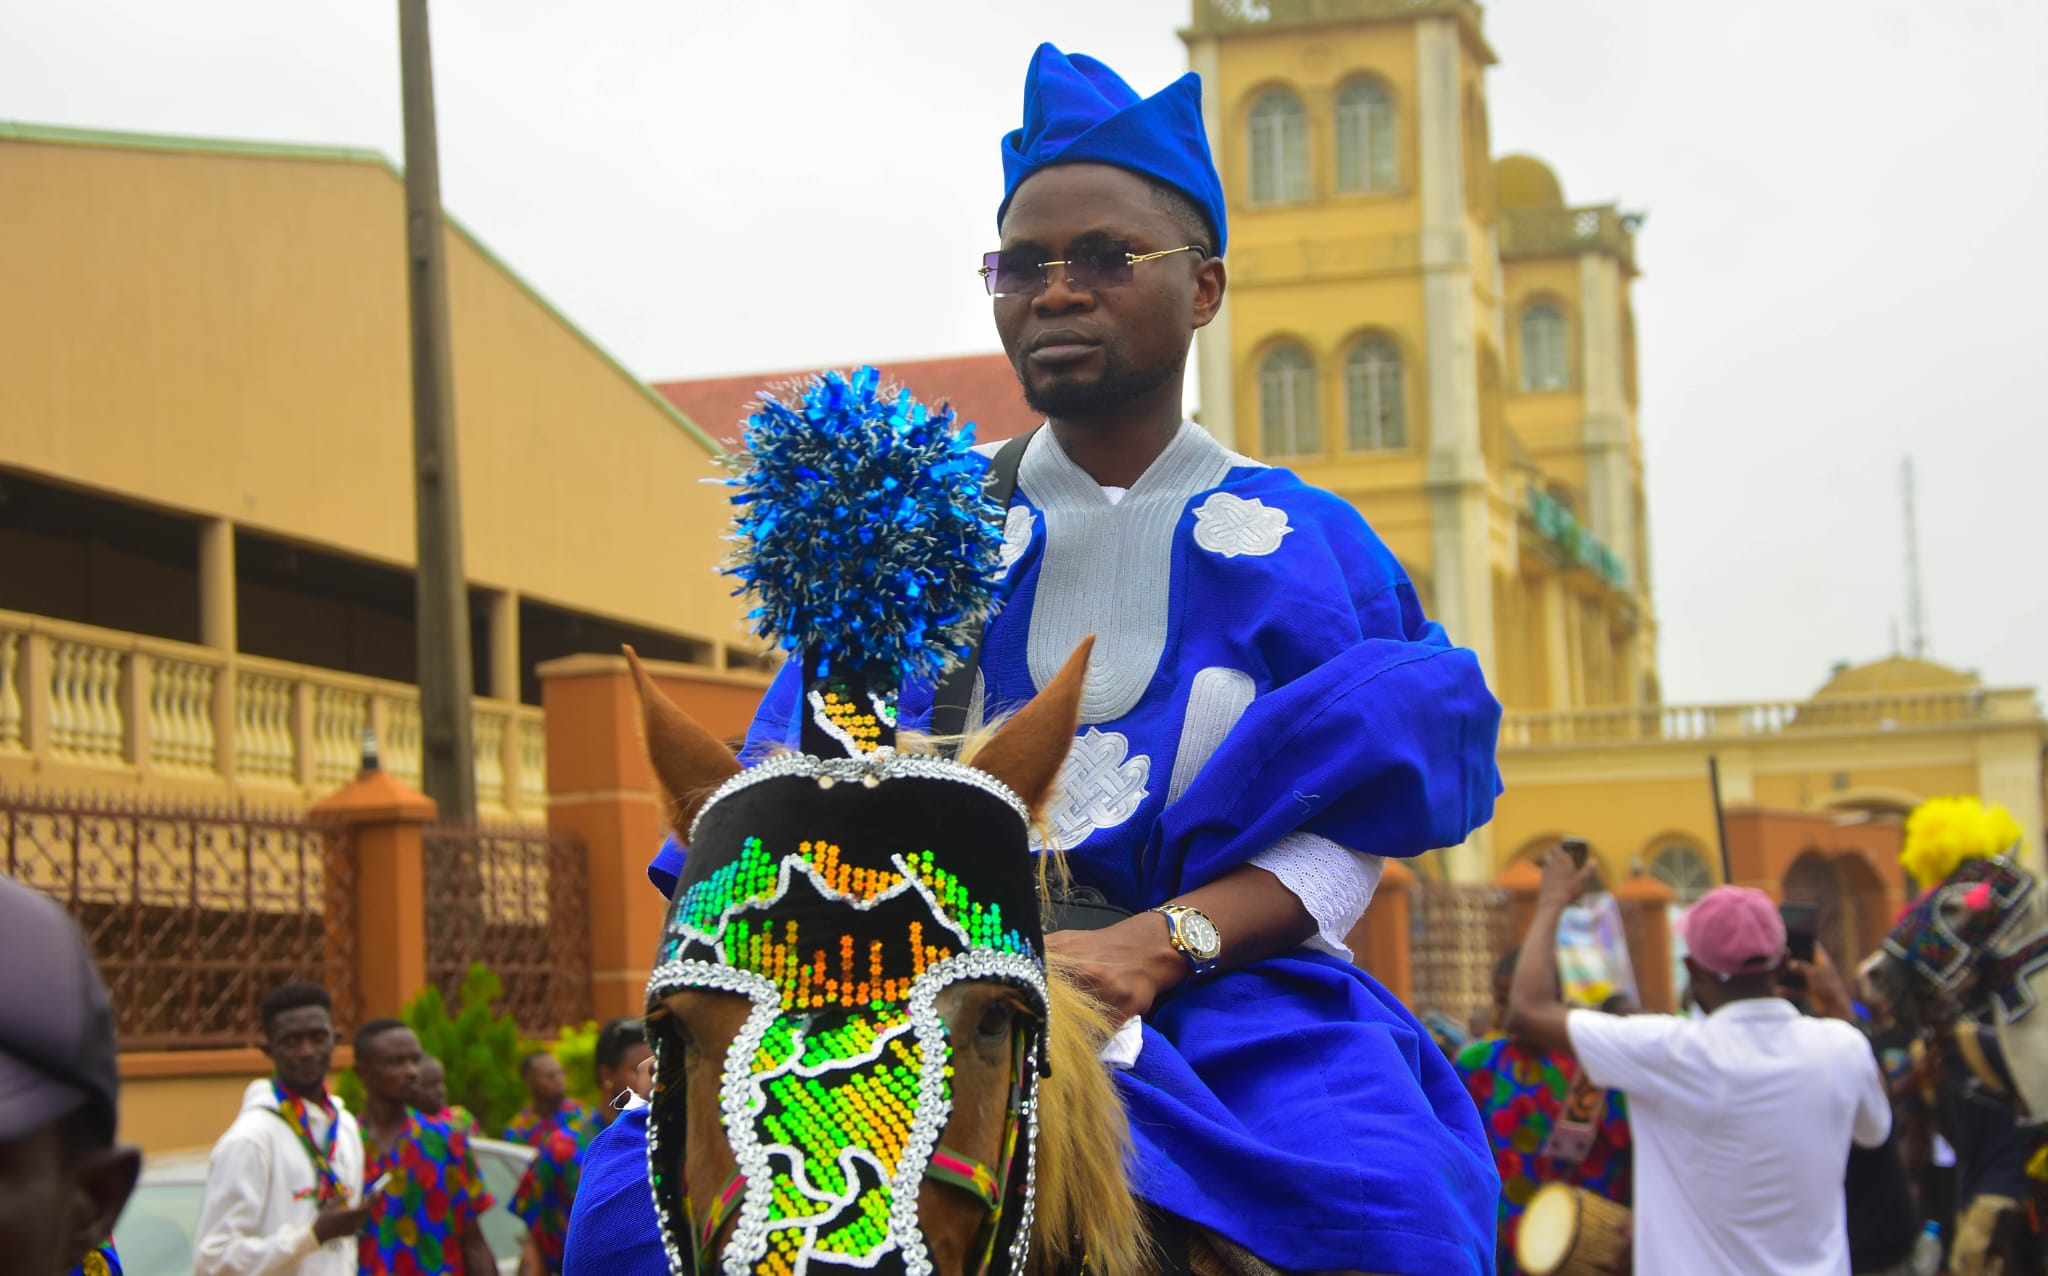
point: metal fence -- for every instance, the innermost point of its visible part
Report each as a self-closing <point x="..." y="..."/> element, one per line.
<point x="193" y="912"/>
<point x="1457" y="933"/>
<point x="515" y="899"/>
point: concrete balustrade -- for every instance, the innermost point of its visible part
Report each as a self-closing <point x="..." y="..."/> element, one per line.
<point x="91" y="708"/>
<point x="1683" y="723"/>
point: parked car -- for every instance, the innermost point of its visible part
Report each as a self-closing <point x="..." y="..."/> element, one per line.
<point x="157" y="1230"/>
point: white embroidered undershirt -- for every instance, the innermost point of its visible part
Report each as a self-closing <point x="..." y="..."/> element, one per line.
<point x="1332" y="882"/>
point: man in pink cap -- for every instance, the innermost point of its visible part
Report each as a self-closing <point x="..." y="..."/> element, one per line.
<point x="1743" y="1119"/>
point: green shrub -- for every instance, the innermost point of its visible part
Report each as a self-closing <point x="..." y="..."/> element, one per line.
<point x="480" y="1049"/>
<point x="575" y="1048"/>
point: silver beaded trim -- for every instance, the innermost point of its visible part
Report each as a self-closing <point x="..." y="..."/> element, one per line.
<point x="741" y="1097"/>
<point x="869" y="769"/>
<point x="750" y="1231"/>
<point x="933" y="1115"/>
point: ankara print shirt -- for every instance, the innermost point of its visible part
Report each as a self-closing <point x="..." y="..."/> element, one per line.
<point x="534" y="1129"/>
<point x="434" y="1191"/>
<point x="546" y="1192"/>
<point x="455" y="1117"/>
<point x="1520" y="1093"/>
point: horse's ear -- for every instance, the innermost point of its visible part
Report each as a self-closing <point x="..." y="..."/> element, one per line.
<point x="1027" y="752"/>
<point x="688" y="760"/>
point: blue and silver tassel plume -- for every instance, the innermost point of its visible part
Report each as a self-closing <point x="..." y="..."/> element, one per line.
<point x="865" y="541"/>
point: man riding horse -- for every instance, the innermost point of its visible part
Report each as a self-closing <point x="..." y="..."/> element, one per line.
<point x="1963" y="971"/>
<point x="1267" y="713"/>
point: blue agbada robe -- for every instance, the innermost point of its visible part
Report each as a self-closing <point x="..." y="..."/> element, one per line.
<point x="612" y="1229"/>
<point x="1293" y="1105"/>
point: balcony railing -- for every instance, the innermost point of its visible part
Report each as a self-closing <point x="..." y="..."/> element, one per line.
<point x="1548" y="232"/>
<point x="1909" y="711"/>
<point x="76" y="699"/>
<point x="1217" y="17"/>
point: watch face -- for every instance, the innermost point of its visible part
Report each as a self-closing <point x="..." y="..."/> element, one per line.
<point x="1200" y="934"/>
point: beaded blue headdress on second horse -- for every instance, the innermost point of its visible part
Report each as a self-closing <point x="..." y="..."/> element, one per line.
<point x="843" y="887"/>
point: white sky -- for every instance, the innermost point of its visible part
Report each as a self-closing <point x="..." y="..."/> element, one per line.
<point x="1844" y="260"/>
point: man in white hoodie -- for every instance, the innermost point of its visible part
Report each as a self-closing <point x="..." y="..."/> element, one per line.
<point x="284" y="1188"/>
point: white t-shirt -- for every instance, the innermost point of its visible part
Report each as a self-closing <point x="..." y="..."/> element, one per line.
<point x="1742" y="1123"/>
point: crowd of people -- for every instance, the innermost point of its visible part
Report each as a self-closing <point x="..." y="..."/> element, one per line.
<point x="300" y="1184"/>
<point x="1782" y="1123"/>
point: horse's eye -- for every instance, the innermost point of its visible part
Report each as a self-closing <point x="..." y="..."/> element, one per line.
<point x="681" y="1039"/>
<point x="996" y="1021"/>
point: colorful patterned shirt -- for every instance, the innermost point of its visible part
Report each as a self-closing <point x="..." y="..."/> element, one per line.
<point x="434" y="1191"/>
<point x="456" y="1117"/>
<point x="547" y="1191"/>
<point x="533" y="1128"/>
<point x="1520" y="1094"/>
<point x="103" y="1261"/>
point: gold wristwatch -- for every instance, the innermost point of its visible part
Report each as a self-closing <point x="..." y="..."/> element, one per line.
<point x="1194" y="935"/>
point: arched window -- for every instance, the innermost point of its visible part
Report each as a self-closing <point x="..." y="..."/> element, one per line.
<point x="1279" y="137"/>
<point x="1288" y="422"/>
<point x="1546" y="354"/>
<point x="1684" y="870"/>
<point x="1374" y="417"/>
<point x="1365" y="137"/>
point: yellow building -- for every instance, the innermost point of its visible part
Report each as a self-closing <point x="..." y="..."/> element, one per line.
<point x="1444" y="340"/>
<point x="206" y="496"/>
<point x="206" y="524"/>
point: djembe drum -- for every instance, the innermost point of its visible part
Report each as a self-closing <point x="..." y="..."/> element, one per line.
<point x="1568" y="1231"/>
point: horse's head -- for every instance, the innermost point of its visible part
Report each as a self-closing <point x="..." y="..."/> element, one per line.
<point x="1946" y="957"/>
<point x="850" y="1004"/>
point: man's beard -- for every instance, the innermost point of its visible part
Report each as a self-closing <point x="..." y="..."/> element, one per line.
<point x="1118" y="386"/>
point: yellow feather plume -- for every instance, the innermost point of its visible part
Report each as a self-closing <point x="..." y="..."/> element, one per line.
<point x="1943" y="832"/>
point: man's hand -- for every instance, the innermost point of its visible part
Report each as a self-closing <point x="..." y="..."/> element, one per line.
<point x="1563" y="881"/>
<point x="1127" y="967"/>
<point x="341" y="1220"/>
<point x="1824" y="988"/>
<point x="1537" y="1016"/>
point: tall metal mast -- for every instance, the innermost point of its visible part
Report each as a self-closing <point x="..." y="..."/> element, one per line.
<point x="1916" y="631"/>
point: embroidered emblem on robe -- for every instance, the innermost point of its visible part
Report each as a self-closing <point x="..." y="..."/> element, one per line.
<point x="1233" y="526"/>
<point x="1100" y="787"/>
<point x="1017" y="527"/>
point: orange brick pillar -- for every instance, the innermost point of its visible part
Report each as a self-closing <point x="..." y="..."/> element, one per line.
<point x="382" y="822"/>
<point x="1646" y="917"/>
<point x="1379" y="943"/>
<point x="601" y="789"/>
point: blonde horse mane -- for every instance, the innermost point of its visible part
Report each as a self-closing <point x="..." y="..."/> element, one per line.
<point x="1086" y="1214"/>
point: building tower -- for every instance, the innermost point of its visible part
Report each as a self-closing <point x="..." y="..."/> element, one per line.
<point x="1456" y="359"/>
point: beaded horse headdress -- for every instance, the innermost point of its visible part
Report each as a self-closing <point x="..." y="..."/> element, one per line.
<point x="1961" y="851"/>
<point x="844" y="887"/>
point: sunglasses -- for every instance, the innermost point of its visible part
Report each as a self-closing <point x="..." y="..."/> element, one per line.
<point x="1014" y="273"/>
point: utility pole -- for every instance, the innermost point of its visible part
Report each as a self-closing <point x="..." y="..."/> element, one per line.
<point x="447" y="763"/>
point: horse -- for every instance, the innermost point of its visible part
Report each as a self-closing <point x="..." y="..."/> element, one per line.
<point x="1078" y="1210"/>
<point x="1966" y="966"/>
